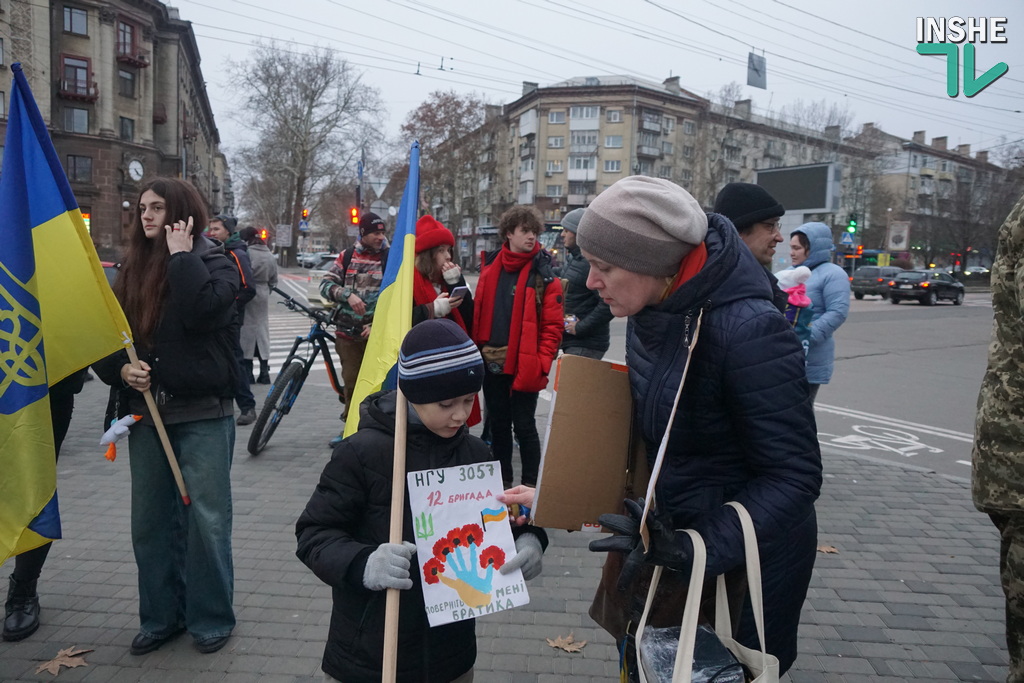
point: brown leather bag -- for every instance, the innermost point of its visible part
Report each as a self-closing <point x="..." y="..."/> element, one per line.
<point x="494" y="358"/>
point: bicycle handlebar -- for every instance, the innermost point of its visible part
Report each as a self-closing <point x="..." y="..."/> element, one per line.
<point x="293" y="304"/>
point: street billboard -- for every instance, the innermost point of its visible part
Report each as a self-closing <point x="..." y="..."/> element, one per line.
<point x="813" y="188"/>
<point x="899" y="236"/>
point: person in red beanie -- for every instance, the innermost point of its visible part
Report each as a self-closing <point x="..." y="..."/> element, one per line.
<point x="436" y="276"/>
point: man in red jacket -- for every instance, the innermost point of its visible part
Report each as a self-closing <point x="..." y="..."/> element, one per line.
<point x="518" y="325"/>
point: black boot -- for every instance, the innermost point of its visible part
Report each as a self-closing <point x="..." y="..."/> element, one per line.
<point x="264" y="377"/>
<point x="22" y="610"/>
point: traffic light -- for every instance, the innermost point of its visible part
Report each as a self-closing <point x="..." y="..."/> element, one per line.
<point x="354" y="215"/>
<point x="851" y="226"/>
<point x="860" y="250"/>
<point x="305" y="214"/>
<point x="263" y="234"/>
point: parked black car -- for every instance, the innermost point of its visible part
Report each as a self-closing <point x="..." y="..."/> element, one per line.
<point x="927" y="286"/>
<point x="873" y="280"/>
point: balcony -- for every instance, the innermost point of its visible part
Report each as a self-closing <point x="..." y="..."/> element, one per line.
<point x="527" y="149"/>
<point x="585" y="150"/>
<point x="132" y="56"/>
<point x="83" y="91"/>
<point x="653" y="126"/>
<point x="581" y="174"/>
<point x="648" y="151"/>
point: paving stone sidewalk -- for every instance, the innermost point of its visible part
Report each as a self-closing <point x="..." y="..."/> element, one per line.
<point x="912" y="592"/>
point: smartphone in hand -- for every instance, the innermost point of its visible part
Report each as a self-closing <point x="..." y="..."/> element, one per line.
<point x="459" y="292"/>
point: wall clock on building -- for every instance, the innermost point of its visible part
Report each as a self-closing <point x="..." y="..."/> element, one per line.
<point x="135" y="170"/>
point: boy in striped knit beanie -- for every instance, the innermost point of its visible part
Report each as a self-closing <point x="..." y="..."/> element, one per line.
<point x="344" y="531"/>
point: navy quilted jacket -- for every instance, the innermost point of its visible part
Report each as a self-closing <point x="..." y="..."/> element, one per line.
<point x="745" y="428"/>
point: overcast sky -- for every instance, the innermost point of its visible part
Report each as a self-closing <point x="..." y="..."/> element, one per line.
<point x="859" y="52"/>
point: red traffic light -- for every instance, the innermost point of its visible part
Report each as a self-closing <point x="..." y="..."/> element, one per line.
<point x="305" y="214"/>
<point x="860" y="249"/>
<point x="354" y="215"/>
<point x="263" y="234"/>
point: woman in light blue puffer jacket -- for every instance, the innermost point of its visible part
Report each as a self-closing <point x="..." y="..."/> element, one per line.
<point x="829" y="290"/>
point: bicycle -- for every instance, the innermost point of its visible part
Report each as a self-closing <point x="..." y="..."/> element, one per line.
<point x="294" y="371"/>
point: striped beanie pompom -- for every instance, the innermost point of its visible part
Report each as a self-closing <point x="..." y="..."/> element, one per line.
<point x="438" y="362"/>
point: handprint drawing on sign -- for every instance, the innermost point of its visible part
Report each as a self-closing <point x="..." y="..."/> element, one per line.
<point x="459" y="564"/>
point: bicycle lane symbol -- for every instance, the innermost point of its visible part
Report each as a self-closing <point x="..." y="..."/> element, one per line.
<point x="866" y="438"/>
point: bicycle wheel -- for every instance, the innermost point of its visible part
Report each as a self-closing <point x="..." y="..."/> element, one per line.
<point x="278" y="404"/>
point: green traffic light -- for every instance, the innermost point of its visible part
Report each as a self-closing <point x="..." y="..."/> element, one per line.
<point x="851" y="228"/>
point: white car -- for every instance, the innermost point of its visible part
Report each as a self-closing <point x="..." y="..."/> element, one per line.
<point x="320" y="268"/>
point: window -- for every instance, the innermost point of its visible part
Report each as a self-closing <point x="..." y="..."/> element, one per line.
<point x="612" y="166"/>
<point x="76" y="120"/>
<point x="3" y="105"/>
<point x="126" y="83"/>
<point x="582" y="187"/>
<point x="688" y="151"/>
<point x="613" y="116"/>
<point x="613" y="141"/>
<point x="667" y="147"/>
<point x="556" y="117"/>
<point x="584" y="137"/>
<point x="76" y="75"/>
<point x="689" y="128"/>
<point x="579" y="163"/>
<point x="732" y="176"/>
<point x="556" y="141"/>
<point x="670" y="124"/>
<point x="125" y="38"/>
<point x="644" y="168"/>
<point x="127" y="129"/>
<point x="2" y="51"/>
<point x="583" y="112"/>
<point x="554" y="191"/>
<point x="686" y="176"/>
<point x="913" y="161"/>
<point x="79" y="168"/>
<point x="944" y="166"/>
<point x="665" y="171"/>
<point x="76" y="21"/>
<point x="554" y="166"/>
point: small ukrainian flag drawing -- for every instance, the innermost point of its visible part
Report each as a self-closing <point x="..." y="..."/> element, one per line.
<point x="493" y="514"/>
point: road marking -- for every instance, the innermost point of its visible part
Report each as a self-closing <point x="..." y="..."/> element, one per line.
<point x="868" y="438"/>
<point x="893" y="422"/>
<point x="964" y="462"/>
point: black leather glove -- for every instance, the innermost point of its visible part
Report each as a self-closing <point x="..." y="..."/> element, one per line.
<point x="667" y="548"/>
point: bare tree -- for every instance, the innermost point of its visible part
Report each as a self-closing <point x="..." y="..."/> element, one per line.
<point x="453" y="143"/>
<point x="312" y="116"/>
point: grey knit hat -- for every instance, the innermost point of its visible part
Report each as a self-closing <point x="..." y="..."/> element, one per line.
<point x="645" y="225"/>
<point x="571" y="220"/>
<point x="437" y="362"/>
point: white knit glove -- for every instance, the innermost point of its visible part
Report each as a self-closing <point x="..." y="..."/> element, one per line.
<point x="388" y="567"/>
<point x="442" y="306"/>
<point x="528" y="557"/>
<point x="452" y="275"/>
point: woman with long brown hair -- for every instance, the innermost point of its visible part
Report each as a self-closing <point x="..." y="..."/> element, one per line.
<point x="178" y="291"/>
<point x="437" y="276"/>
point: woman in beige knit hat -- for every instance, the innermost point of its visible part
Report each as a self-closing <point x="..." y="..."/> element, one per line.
<point x="744" y="428"/>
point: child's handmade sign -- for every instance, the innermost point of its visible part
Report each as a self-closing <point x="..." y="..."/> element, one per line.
<point x="463" y="538"/>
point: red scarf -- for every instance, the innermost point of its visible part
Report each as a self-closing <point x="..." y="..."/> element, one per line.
<point x="511" y="262"/>
<point x="423" y="294"/>
<point x="691" y="265"/>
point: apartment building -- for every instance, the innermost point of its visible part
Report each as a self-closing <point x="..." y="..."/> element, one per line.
<point x="119" y="85"/>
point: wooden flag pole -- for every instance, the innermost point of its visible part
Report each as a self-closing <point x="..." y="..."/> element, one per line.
<point x="390" y="664"/>
<point x="159" y="423"/>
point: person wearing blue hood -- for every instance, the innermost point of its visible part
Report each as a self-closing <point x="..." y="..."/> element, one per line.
<point x="829" y="291"/>
<point x="744" y="428"/>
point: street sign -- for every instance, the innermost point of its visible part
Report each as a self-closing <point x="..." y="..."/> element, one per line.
<point x="303" y="226"/>
<point x="846" y="239"/>
<point x="284" y="235"/>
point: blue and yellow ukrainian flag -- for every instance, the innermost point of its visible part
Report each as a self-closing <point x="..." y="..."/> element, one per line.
<point x="57" y="315"/>
<point x="392" y="319"/>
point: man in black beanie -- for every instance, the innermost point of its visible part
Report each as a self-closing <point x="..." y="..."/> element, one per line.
<point x="756" y="214"/>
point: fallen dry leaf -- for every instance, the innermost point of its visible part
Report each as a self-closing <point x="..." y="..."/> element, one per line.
<point x="568" y="644"/>
<point x="69" y="658"/>
<point x="827" y="549"/>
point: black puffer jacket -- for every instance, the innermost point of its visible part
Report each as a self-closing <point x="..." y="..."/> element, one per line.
<point x="744" y="429"/>
<point x="593" y="315"/>
<point x="191" y="354"/>
<point x="346" y="519"/>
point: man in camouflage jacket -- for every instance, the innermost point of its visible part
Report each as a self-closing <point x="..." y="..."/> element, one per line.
<point x="998" y="459"/>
